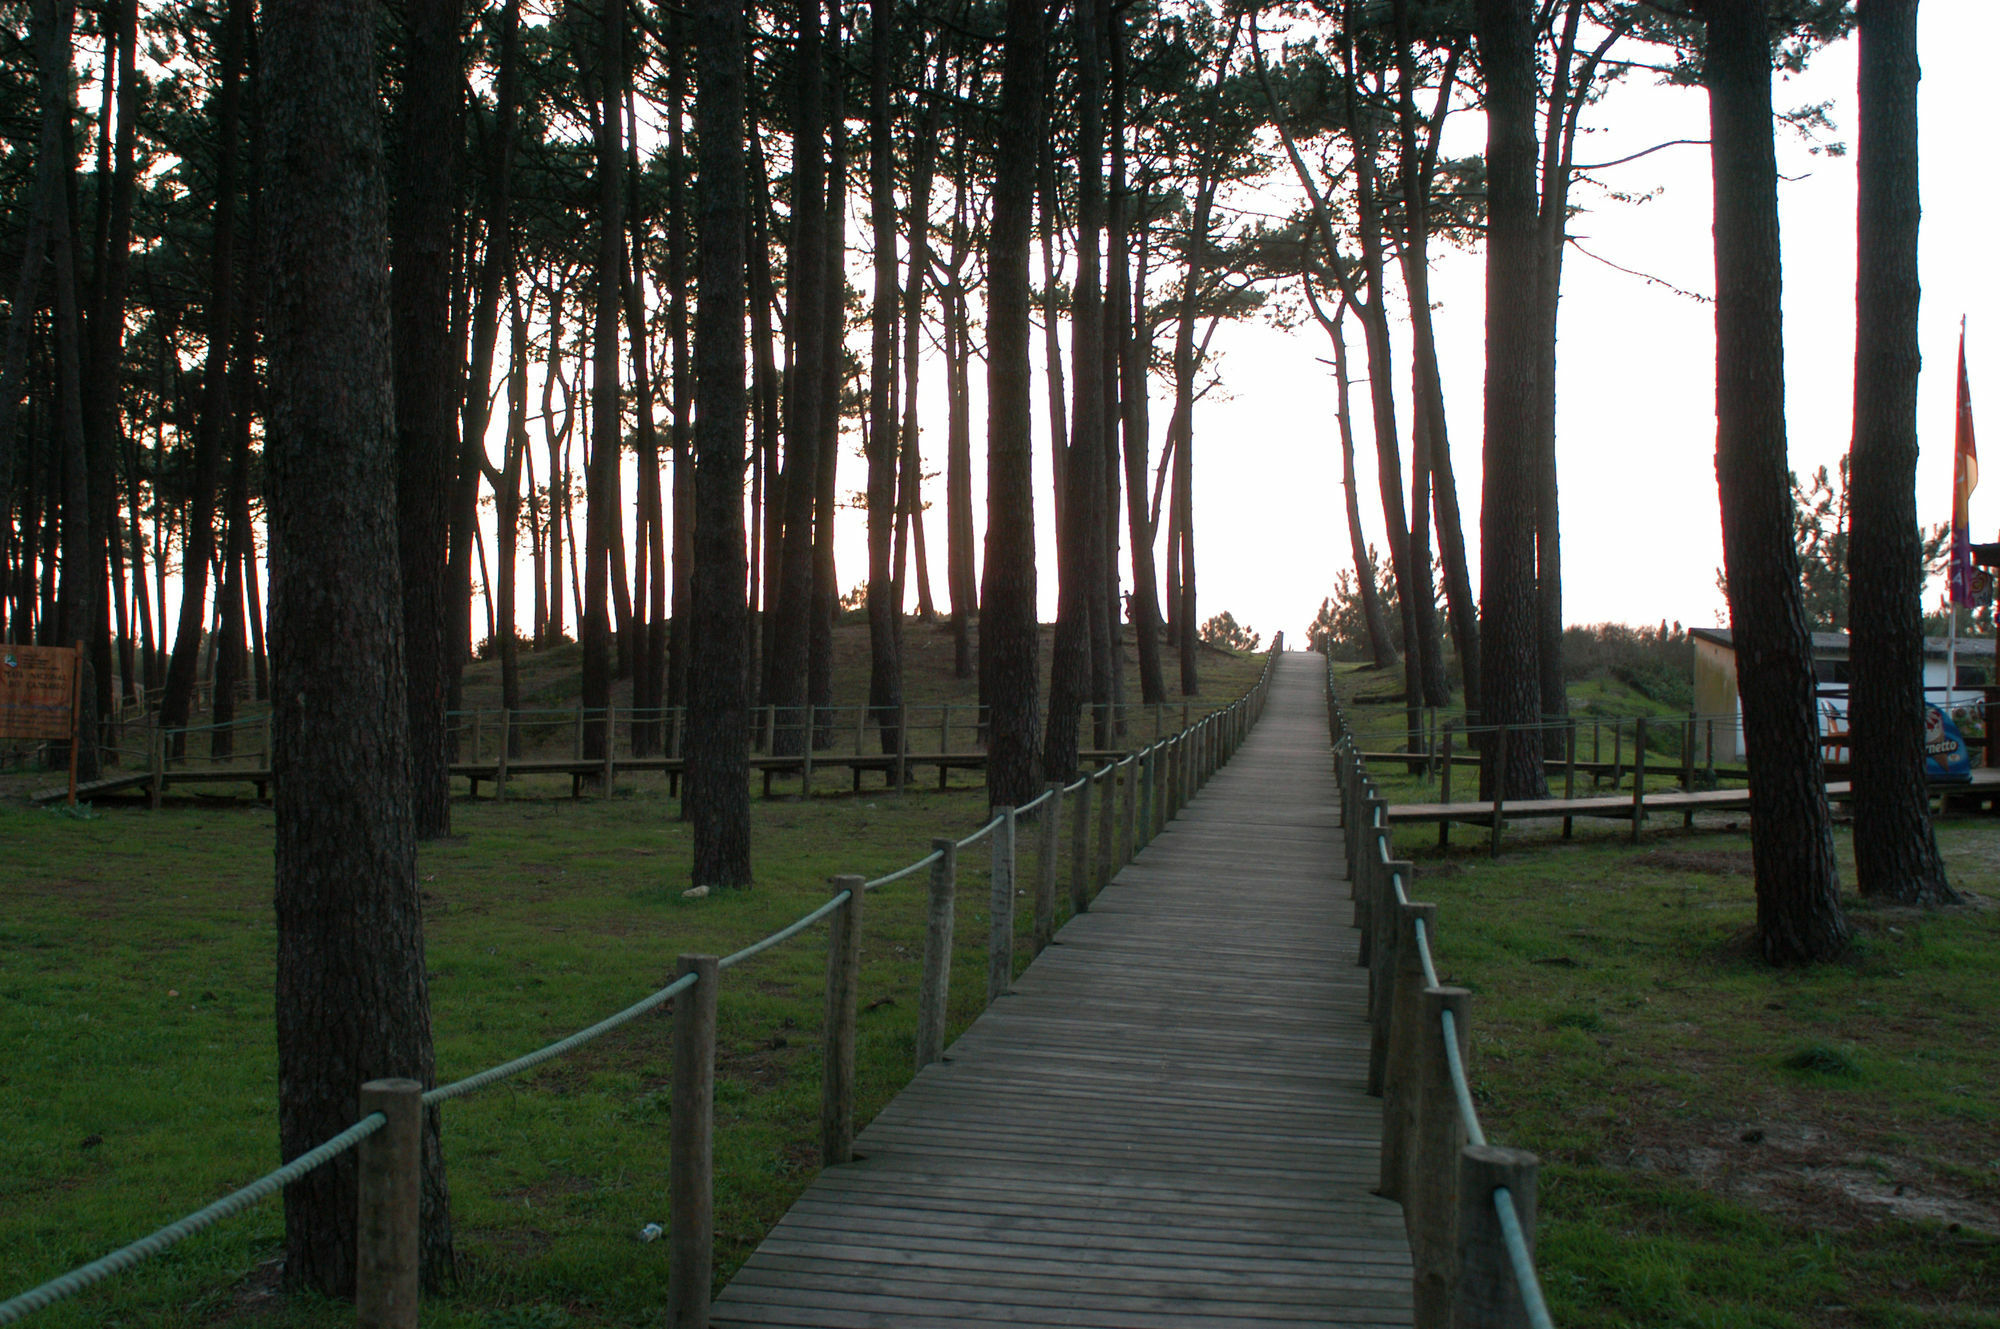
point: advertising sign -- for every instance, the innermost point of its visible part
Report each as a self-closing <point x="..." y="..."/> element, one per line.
<point x="37" y="691"/>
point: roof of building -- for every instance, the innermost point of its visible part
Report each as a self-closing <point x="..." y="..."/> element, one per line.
<point x="1835" y="643"/>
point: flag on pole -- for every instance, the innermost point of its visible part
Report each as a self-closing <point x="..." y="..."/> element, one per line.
<point x="1964" y="479"/>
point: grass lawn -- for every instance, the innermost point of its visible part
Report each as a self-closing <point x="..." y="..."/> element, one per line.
<point x="1723" y="1144"/>
<point x="136" y="981"/>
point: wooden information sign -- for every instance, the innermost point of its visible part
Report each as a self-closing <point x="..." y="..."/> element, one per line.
<point x="38" y="695"/>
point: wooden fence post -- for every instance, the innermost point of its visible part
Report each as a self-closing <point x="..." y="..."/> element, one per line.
<point x="1079" y="851"/>
<point x="1000" y="930"/>
<point x="1638" y="776"/>
<point x="806" y="747"/>
<point x="390" y="1163"/>
<point x="610" y="748"/>
<point x="1385" y="958"/>
<point x="1405" y="1047"/>
<point x="1045" y="866"/>
<point x="1430" y="1196"/>
<point x="843" y="986"/>
<point x="1149" y="793"/>
<point x="1487" y="1294"/>
<point x="902" y="747"/>
<point x="1569" y="774"/>
<point x="158" y="786"/>
<point x="1444" y="790"/>
<point x="1687" y="770"/>
<point x="1130" y="830"/>
<point x="500" y="763"/>
<point x="691" y="1148"/>
<point x="944" y="745"/>
<point x="579" y="731"/>
<point x="934" y="996"/>
<point x="1107" y="819"/>
<point x="1499" y="787"/>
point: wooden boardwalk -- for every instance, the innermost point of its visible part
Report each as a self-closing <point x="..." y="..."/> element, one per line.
<point x="1164" y="1125"/>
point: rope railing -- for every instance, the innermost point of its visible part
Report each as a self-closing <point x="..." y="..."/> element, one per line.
<point x="1468" y="1206"/>
<point x="1171" y="768"/>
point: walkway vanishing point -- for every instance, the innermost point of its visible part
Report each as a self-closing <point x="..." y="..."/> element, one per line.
<point x="1165" y="1124"/>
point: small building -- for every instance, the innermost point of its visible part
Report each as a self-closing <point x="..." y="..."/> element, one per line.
<point x="1716" y="698"/>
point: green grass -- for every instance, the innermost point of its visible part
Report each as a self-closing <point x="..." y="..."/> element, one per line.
<point x="136" y="979"/>
<point x="1724" y="1144"/>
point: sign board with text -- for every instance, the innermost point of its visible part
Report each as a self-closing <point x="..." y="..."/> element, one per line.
<point x="37" y="691"/>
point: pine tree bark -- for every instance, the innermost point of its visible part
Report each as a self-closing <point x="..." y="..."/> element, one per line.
<point x="1511" y="684"/>
<point x="885" y="668"/>
<point x="788" y="620"/>
<point x="423" y="216"/>
<point x="606" y="417"/>
<point x="718" y="771"/>
<point x="352" y="1002"/>
<point x="1799" y="919"/>
<point x="1380" y="646"/>
<point x="832" y="377"/>
<point x="1009" y="642"/>
<point x="1895" y="848"/>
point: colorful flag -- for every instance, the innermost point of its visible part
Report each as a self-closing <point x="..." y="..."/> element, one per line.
<point x="1964" y="479"/>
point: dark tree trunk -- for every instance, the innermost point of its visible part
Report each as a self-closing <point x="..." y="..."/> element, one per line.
<point x="1050" y="232"/>
<point x="718" y="784"/>
<point x="1107" y="679"/>
<point x="1509" y="679"/>
<point x="910" y="479"/>
<point x="212" y="423"/>
<point x="606" y="432"/>
<point x="789" y="619"/>
<point x="1380" y="645"/>
<point x="649" y="591"/>
<point x="1799" y="919"/>
<point x="885" y="667"/>
<point x="239" y="549"/>
<point x="833" y="369"/>
<point x="1008" y="640"/>
<point x="767" y="511"/>
<point x="1135" y="363"/>
<point x="1082" y="638"/>
<point x="960" y="577"/>
<point x="422" y="218"/>
<point x="680" y="652"/>
<point x="1895" y="850"/>
<point x="507" y="515"/>
<point x="352" y="1002"/>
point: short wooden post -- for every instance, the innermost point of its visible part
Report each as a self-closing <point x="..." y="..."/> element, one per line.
<point x="500" y="763"/>
<point x="1106" y="820"/>
<point x="1617" y="753"/>
<point x="1569" y="774"/>
<point x="1399" y="1077"/>
<point x="1430" y="1197"/>
<point x="1488" y="1294"/>
<point x="1045" y="866"/>
<point x="158" y="786"/>
<point x="691" y="1148"/>
<point x="944" y="745"/>
<point x="610" y="749"/>
<point x="770" y="727"/>
<point x="390" y="1163"/>
<point x="843" y="987"/>
<point x="1687" y="771"/>
<point x="1130" y="831"/>
<point x="1384" y="963"/>
<point x="1149" y="795"/>
<point x="1000" y="932"/>
<point x="1709" y="748"/>
<point x="806" y="747"/>
<point x="1444" y="790"/>
<point x="1638" y="776"/>
<point x="934" y="996"/>
<point x="579" y="732"/>
<point x="1499" y="787"/>
<point x="902" y="747"/>
<point x="475" y="736"/>
<point x="1079" y="851"/>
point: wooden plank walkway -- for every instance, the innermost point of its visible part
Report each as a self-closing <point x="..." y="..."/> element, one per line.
<point x="1164" y="1125"/>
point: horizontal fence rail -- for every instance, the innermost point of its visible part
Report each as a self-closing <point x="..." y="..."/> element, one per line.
<point x="1468" y="1206"/>
<point x="1171" y="769"/>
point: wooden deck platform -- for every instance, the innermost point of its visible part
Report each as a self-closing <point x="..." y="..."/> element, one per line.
<point x="1164" y="1125"/>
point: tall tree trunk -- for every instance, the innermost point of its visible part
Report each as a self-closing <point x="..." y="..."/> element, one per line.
<point x="767" y="539"/>
<point x="352" y="1000"/>
<point x="78" y="609"/>
<point x="606" y="423"/>
<point x="885" y="666"/>
<point x="1380" y="645"/>
<point x="1895" y="850"/>
<point x="1108" y="681"/>
<point x="910" y="479"/>
<point x="1050" y="232"/>
<point x="210" y="425"/>
<point x="959" y="559"/>
<point x="1509" y="677"/>
<point x="507" y="505"/>
<point x="424" y="206"/>
<point x="1799" y="919"/>
<point x="789" y="620"/>
<point x="1134" y="362"/>
<point x="680" y="652"/>
<point x="1081" y="632"/>
<point x="1009" y="642"/>
<point x="718" y="786"/>
<point x="649" y="591"/>
<point x="833" y="370"/>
